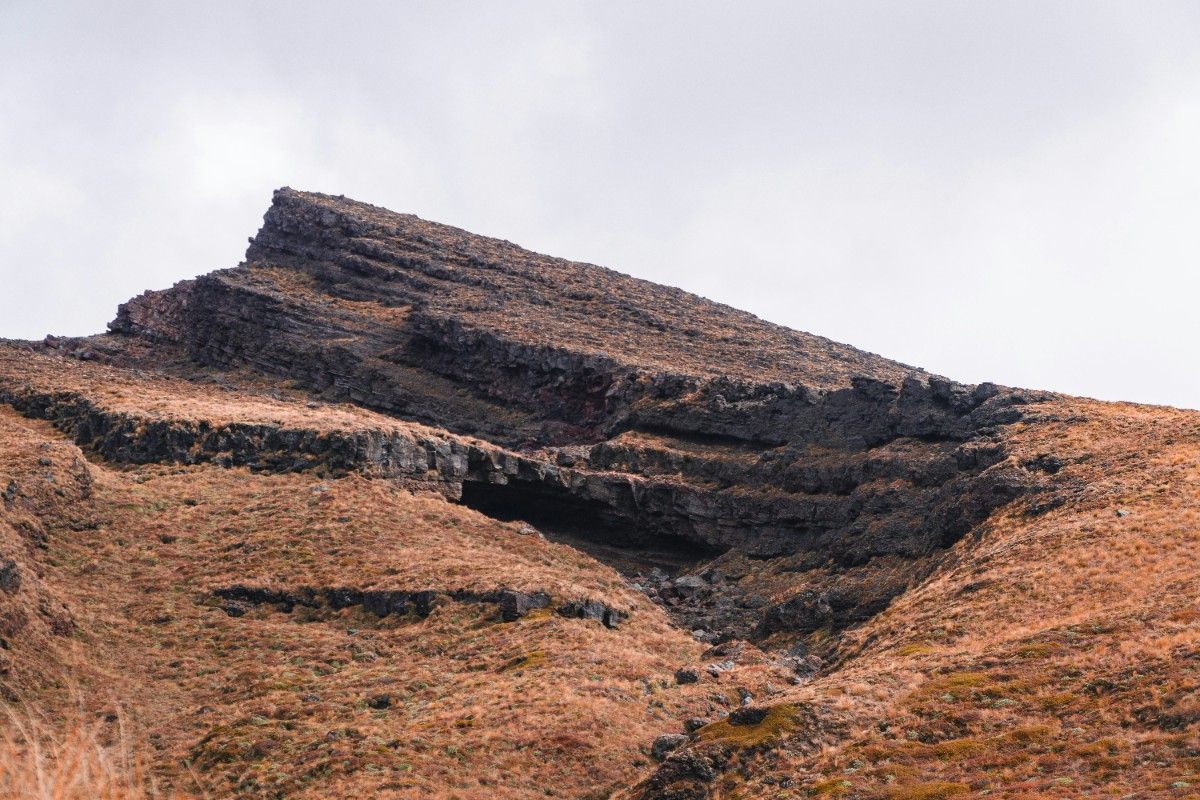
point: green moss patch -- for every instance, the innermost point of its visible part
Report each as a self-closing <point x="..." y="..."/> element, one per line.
<point x="778" y="721"/>
<point x="527" y="661"/>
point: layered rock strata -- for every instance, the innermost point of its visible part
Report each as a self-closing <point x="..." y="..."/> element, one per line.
<point x="794" y="476"/>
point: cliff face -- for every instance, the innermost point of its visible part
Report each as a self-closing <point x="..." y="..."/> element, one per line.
<point x="641" y="417"/>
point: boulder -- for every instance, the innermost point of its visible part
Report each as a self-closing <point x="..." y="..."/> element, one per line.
<point x="666" y="744"/>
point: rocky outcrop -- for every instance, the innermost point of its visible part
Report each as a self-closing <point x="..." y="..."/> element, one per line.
<point x="607" y="411"/>
<point x="357" y="302"/>
<point x="134" y="439"/>
<point x="156" y="315"/>
<point x="905" y="499"/>
<point x="512" y="605"/>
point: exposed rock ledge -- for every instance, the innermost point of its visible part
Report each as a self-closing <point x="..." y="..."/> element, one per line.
<point x="619" y="415"/>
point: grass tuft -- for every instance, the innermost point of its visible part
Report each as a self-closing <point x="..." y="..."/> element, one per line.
<point x="40" y="762"/>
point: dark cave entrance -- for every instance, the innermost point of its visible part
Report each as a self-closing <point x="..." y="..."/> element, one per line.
<point x="587" y="525"/>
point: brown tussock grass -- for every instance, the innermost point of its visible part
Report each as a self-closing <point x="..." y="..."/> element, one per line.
<point x="1051" y="654"/>
<point x="77" y="759"/>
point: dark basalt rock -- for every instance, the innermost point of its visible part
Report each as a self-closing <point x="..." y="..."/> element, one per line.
<point x="514" y="605"/>
<point x="627" y="418"/>
<point x="748" y="715"/>
<point x="664" y="744"/>
<point x="382" y="602"/>
<point x="811" y="611"/>
<point x="379" y="702"/>
<point x="10" y="576"/>
<point x="593" y="610"/>
<point x="684" y="775"/>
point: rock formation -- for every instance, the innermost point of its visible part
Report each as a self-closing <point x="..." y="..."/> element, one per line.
<point x="619" y="412"/>
<point x="765" y="495"/>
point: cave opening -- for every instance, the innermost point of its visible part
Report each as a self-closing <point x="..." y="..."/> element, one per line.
<point x="588" y="525"/>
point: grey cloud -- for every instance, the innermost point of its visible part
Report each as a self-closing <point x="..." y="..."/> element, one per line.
<point x="1001" y="191"/>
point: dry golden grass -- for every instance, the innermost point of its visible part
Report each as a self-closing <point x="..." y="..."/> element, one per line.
<point x="1053" y="654"/>
<point x="276" y="704"/>
<point x="240" y="398"/>
<point x="78" y="760"/>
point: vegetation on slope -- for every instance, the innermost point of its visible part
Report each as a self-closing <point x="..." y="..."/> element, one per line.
<point x="222" y="576"/>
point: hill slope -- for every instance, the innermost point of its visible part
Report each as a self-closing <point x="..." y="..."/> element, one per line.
<point x="397" y="510"/>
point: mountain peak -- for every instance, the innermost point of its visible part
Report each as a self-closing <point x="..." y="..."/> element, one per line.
<point x="387" y="475"/>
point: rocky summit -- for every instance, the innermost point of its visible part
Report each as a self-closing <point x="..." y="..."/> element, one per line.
<point x="395" y="510"/>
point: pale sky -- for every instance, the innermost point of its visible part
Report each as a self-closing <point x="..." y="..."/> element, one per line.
<point x="1005" y="191"/>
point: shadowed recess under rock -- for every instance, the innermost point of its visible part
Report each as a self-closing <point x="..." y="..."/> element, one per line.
<point x="588" y="525"/>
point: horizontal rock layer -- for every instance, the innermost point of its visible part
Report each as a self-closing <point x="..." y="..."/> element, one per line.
<point x="513" y="605"/>
<point x="620" y="413"/>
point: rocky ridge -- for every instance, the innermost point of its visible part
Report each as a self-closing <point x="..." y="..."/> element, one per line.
<point x="382" y="460"/>
<point x="621" y="415"/>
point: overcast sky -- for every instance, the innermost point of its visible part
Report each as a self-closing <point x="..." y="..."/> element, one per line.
<point x="1004" y="191"/>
